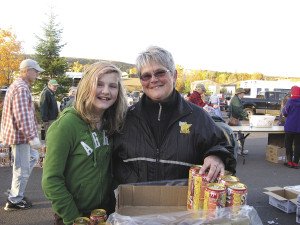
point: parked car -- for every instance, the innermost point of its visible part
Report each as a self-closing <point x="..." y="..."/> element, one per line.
<point x="2" y="94"/>
<point x="268" y="102"/>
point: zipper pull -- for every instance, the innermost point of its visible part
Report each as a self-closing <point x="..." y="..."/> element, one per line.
<point x="159" y="112"/>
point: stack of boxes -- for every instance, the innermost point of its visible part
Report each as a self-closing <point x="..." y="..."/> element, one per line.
<point x="4" y="156"/>
<point x="275" y="154"/>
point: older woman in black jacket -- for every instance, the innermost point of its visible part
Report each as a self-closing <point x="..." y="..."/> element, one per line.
<point x="164" y="134"/>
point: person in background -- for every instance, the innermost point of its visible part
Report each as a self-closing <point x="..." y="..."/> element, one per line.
<point x="197" y="96"/>
<point x="48" y="104"/>
<point x="236" y="110"/>
<point x="281" y="119"/>
<point x="186" y="96"/>
<point x="164" y="135"/>
<point x="19" y="130"/>
<point x="214" y="101"/>
<point x="292" y="128"/>
<point x="227" y="130"/>
<point x="69" y="100"/>
<point x="77" y="175"/>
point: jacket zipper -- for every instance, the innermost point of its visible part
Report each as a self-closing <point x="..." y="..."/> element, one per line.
<point x="157" y="150"/>
<point x="159" y="112"/>
<point x="157" y="164"/>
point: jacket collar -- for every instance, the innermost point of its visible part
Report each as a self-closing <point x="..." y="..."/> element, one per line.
<point x="182" y="107"/>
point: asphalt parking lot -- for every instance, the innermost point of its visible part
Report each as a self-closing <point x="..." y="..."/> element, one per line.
<point x="256" y="173"/>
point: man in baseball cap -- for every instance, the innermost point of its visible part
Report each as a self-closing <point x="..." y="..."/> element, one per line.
<point x="236" y="110"/>
<point x="19" y="130"/>
<point x="239" y="91"/>
<point x="48" y="104"/>
<point x="31" y="64"/>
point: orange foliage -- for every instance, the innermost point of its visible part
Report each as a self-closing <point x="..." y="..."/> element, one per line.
<point x="10" y="56"/>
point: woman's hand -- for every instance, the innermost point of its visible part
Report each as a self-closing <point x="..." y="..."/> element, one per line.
<point x="215" y="166"/>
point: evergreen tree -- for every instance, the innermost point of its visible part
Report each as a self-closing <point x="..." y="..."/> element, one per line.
<point x="47" y="55"/>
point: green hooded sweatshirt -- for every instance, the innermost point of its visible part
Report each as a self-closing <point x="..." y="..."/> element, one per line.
<point x="77" y="174"/>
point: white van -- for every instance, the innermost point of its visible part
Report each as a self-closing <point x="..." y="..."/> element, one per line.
<point x="75" y="76"/>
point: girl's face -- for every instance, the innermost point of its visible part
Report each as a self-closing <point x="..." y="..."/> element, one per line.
<point x="106" y="92"/>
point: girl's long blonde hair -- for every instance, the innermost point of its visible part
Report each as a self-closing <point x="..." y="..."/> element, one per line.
<point x="113" y="117"/>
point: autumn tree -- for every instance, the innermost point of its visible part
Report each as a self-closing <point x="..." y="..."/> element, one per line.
<point x="77" y="67"/>
<point x="133" y="72"/>
<point x="181" y="78"/>
<point x="257" y="76"/>
<point x="47" y="54"/>
<point x="10" y="56"/>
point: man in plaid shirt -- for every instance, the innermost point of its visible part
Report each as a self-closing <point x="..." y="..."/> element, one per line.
<point x="19" y="130"/>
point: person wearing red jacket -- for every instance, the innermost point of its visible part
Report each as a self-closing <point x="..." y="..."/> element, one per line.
<point x="196" y="96"/>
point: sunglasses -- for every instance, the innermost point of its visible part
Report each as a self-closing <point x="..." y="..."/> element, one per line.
<point x="157" y="74"/>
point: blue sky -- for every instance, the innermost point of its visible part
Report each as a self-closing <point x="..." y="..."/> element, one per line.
<point x="232" y="35"/>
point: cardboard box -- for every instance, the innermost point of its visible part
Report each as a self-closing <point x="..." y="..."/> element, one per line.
<point x="275" y="154"/>
<point x="157" y="202"/>
<point x="142" y="200"/>
<point x="283" y="199"/>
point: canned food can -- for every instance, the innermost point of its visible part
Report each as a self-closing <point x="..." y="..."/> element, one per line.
<point x="81" y="221"/>
<point x="193" y="170"/>
<point x="200" y="183"/>
<point x="98" y="216"/>
<point x="196" y="188"/>
<point x="227" y="180"/>
<point x="227" y="173"/>
<point x="236" y="195"/>
<point x="215" y="196"/>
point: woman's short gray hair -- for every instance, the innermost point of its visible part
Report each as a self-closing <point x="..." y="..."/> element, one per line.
<point x="155" y="54"/>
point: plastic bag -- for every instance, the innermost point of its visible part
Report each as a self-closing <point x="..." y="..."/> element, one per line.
<point x="246" y="215"/>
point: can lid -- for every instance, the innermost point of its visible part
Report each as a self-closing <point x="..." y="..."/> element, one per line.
<point x="216" y="186"/>
<point x="230" y="178"/>
<point x="82" y="221"/>
<point x="98" y="212"/>
<point x="238" y="186"/>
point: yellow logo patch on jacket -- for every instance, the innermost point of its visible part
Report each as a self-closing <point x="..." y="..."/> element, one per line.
<point x="184" y="127"/>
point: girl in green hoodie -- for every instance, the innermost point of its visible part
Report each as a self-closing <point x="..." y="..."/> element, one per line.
<point x="77" y="170"/>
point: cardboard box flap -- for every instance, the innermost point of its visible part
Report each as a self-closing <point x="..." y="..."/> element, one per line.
<point x="294" y="200"/>
<point x="278" y="197"/>
<point x="295" y="188"/>
<point x="130" y="195"/>
<point x="281" y="194"/>
<point x="275" y="188"/>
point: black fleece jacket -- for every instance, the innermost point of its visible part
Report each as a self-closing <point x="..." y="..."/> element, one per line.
<point x="189" y="135"/>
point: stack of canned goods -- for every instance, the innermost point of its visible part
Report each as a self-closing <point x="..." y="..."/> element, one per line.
<point x="98" y="217"/>
<point x="226" y="191"/>
<point x="196" y="186"/>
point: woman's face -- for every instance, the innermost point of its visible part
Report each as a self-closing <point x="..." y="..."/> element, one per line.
<point x="106" y="92"/>
<point x="160" y="85"/>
